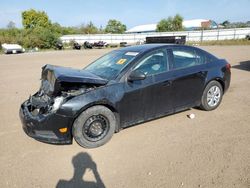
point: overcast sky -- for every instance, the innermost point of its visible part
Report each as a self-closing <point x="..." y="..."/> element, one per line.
<point x="130" y="12"/>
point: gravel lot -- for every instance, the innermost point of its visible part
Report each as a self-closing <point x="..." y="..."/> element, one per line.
<point x="212" y="150"/>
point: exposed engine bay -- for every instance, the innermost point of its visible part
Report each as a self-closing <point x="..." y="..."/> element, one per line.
<point x="59" y="84"/>
<point x="42" y="103"/>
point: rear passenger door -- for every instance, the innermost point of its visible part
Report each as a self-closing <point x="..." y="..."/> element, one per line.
<point x="189" y="69"/>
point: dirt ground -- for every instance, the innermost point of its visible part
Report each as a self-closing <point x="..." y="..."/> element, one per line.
<point x="212" y="150"/>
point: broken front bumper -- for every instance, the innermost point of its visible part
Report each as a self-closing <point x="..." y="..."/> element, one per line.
<point x="45" y="127"/>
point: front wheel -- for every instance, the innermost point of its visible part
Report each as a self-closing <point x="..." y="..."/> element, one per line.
<point x="212" y="96"/>
<point x="94" y="127"/>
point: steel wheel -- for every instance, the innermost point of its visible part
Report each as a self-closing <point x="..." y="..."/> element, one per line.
<point x="95" y="128"/>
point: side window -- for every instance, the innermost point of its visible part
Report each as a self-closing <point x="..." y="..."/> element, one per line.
<point x="154" y="63"/>
<point x="204" y="57"/>
<point x="184" y="58"/>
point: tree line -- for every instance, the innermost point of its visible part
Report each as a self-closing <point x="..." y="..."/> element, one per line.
<point x="39" y="31"/>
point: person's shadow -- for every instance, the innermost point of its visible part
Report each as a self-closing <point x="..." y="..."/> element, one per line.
<point x="82" y="162"/>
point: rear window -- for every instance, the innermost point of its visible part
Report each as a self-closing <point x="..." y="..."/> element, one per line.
<point x="185" y="57"/>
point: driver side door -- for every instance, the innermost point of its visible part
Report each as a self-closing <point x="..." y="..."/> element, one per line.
<point x="148" y="98"/>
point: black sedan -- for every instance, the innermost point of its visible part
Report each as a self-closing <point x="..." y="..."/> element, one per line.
<point x="123" y="88"/>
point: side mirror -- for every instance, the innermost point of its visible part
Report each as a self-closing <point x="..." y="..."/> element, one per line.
<point x="136" y="75"/>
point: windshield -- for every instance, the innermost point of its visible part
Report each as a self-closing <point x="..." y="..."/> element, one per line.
<point x="111" y="64"/>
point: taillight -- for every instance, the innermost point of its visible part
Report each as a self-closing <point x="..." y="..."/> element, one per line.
<point x="228" y="67"/>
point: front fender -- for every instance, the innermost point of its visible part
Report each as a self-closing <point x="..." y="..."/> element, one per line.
<point x="108" y="96"/>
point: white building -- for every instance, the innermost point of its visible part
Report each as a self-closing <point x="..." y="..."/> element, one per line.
<point x="187" y="24"/>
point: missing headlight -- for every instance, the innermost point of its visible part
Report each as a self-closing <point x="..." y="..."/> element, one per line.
<point x="57" y="103"/>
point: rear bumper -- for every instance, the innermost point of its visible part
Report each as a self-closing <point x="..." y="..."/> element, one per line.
<point x="45" y="128"/>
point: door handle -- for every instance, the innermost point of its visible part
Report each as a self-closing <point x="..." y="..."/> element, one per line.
<point x="167" y="83"/>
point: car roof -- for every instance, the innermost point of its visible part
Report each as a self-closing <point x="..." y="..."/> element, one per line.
<point x="146" y="47"/>
<point x="149" y="47"/>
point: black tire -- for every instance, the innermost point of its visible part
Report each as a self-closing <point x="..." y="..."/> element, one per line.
<point x="85" y="131"/>
<point x="206" y="104"/>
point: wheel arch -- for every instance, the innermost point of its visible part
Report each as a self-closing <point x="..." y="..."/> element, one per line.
<point x="218" y="80"/>
<point x="105" y="104"/>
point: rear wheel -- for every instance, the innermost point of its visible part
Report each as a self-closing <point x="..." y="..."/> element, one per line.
<point x="212" y="96"/>
<point x="94" y="127"/>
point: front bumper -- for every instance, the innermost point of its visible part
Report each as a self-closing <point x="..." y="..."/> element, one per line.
<point x="45" y="128"/>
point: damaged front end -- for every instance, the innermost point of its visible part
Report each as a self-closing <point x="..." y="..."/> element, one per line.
<point x="58" y="85"/>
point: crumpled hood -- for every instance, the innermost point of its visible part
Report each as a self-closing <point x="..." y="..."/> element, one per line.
<point x="56" y="79"/>
<point x="65" y="74"/>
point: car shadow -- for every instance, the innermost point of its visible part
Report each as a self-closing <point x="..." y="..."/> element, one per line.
<point x="81" y="162"/>
<point x="244" y="65"/>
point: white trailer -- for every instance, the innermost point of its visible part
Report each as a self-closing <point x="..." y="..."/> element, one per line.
<point x="12" y="48"/>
